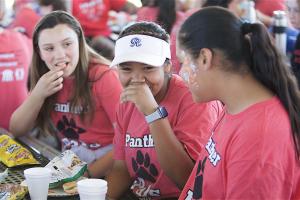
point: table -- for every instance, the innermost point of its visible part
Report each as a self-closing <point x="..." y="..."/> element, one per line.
<point x="43" y="153"/>
<point x="16" y="175"/>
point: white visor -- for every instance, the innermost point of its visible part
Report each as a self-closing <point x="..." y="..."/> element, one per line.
<point x="141" y="48"/>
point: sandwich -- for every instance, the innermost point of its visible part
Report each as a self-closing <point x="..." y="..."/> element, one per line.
<point x="70" y="187"/>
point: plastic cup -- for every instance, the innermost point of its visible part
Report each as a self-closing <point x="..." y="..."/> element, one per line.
<point x="37" y="180"/>
<point x="92" y="189"/>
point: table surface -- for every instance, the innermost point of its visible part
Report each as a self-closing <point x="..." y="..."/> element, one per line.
<point x="38" y="149"/>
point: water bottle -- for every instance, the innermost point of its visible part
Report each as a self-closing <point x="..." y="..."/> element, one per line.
<point x="250" y="14"/>
<point x="279" y="30"/>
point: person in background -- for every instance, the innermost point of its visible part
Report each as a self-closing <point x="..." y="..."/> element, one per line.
<point x="253" y="150"/>
<point x="159" y="130"/>
<point x="26" y="16"/>
<point x="291" y="29"/>
<point x="93" y="17"/>
<point x="28" y="13"/>
<point x="295" y="59"/>
<point x="170" y="21"/>
<point x="15" y="54"/>
<point x="73" y="91"/>
<point x="293" y="12"/>
<point x="265" y="9"/>
<point x="47" y="6"/>
<point x="239" y="9"/>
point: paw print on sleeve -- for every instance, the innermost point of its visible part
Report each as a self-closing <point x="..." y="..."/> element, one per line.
<point x="143" y="167"/>
<point x="197" y="194"/>
<point x="68" y="128"/>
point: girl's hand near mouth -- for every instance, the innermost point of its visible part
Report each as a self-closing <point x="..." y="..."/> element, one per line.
<point x="50" y="83"/>
<point x="140" y="94"/>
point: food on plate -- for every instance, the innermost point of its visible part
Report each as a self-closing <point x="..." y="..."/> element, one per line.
<point x="70" y="187"/>
<point x="13" y="154"/>
<point x="12" y="191"/>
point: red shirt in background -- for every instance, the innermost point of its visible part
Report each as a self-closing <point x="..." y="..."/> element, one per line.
<point x="93" y="15"/>
<point x="268" y="6"/>
<point x="25" y="20"/>
<point x="150" y="14"/>
<point x="15" y="57"/>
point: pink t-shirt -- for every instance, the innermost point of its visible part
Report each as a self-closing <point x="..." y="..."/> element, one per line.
<point x="133" y="142"/>
<point x="15" y="57"/>
<point x="268" y="6"/>
<point x="93" y="15"/>
<point x="250" y="155"/>
<point x="150" y="14"/>
<point x="25" y="20"/>
<point x="99" y="132"/>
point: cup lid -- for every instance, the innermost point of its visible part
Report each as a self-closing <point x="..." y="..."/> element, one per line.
<point x="92" y="185"/>
<point x="37" y="172"/>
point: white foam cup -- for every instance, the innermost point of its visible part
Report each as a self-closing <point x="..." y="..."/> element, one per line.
<point x="37" y="180"/>
<point x="92" y="189"/>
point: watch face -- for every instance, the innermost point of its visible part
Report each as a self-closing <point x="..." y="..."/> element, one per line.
<point x="163" y="112"/>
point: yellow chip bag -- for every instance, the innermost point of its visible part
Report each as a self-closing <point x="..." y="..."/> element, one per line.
<point x="13" y="154"/>
<point x="11" y="191"/>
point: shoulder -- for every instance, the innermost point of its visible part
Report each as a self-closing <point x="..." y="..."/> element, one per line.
<point x="97" y="70"/>
<point x="177" y="83"/>
<point x="178" y="90"/>
<point x="264" y="121"/>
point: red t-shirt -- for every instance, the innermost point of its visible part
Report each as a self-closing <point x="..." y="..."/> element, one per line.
<point x="93" y="15"/>
<point x="25" y="20"/>
<point x="99" y="132"/>
<point x="133" y="142"/>
<point x="15" y="57"/>
<point x="268" y="6"/>
<point x="150" y="14"/>
<point x="250" y="155"/>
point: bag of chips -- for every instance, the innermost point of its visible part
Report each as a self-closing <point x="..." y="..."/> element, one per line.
<point x="11" y="191"/>
<point x="65" y="168"/>
<point x="13" y="154"/>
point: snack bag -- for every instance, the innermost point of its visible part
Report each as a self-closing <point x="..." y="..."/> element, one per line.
<point x="65" y="168"/>
<point x="11" y="191"/>
<point x="13" y="154"/>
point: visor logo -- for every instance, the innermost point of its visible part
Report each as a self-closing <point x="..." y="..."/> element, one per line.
<point x="135" y="42"/>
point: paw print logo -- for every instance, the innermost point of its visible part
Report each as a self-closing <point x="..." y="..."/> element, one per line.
<point x="68" y="128"/>
<point x="197" y="194"/>
<point x="143" y="168"/>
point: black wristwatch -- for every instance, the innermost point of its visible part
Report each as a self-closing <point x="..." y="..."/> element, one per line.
<point x="159" y="113"/>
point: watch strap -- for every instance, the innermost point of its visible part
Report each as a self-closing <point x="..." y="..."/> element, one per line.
<point x="159" y="113"/>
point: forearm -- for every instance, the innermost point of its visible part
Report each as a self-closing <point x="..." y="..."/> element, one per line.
<point x="24" y="117"/>
<point x="118" y="180"/>
<point x="102" y="166"/>
<point x="171" y="155"/>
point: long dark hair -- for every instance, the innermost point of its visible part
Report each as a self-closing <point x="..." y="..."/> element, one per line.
<point x="56" y="4"/>
<point x="249" y="48"/>
<point x="146" y="28"/>
<point x="166" y="14"/>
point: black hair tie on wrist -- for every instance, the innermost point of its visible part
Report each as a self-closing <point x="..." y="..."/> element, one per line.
<point x="246" y="28"/>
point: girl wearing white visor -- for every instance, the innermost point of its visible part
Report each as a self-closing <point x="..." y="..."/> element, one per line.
<point x="159" y="129"/>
